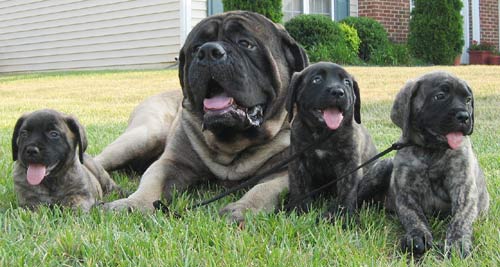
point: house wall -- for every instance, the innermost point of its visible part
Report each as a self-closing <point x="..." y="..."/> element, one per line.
<point x="92" y="34"/>
<point x="394" y="15"/>
<point x="199" y="11"/>
<point x="488" y="14"/>
<point x="353" y="8"/>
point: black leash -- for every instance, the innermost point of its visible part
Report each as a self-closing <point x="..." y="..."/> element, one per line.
<point x="249" y="181"/>
<point x="395" y="146"/>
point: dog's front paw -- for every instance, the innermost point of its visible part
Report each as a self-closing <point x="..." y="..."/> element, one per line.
<point x="462" y="246"/>
<point x="416" y="242"/>
<point x="129" y="204"/>
<point x="235" y="211"/>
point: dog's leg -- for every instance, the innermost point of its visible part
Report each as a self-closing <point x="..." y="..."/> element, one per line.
<point x="262" y="197"/>
<point x="418" y="237"/>
<point x="300" y="183"/>
<point x="464" y="212"/>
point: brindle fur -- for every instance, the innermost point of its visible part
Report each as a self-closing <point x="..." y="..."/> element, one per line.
<point x="348" y="147"/>
<point x="77" y="181"/>
<point x="430" y="178"/>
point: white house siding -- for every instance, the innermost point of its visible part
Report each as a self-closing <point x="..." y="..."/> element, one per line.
<point x="353" y="8"/>
<point x="88" y="34"/>
<point x="199" y="11"/>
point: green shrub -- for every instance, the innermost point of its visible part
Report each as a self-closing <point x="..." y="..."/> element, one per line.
<point x="324" y="39"/>
<point x="392" y="55"/>
<point x="372" y="34"/>
<point x="272" y="9"/>
<point x="436" y="31"/>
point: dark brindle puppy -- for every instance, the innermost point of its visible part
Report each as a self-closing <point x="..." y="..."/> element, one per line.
<point x="327" y="99"/>
<point x="51" y="166"/>
<point x="439" y="173"/>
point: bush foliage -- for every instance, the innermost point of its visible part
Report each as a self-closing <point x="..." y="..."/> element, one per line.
<point x="372" y="34"/>
<point x="324" y="39"/>
<point x="272" y="9"/>
<point x="436" y="31"/>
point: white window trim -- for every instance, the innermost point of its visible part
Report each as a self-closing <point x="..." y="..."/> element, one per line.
<point x="185" y="19"/>
<point x="476" y="26"/>
<point x="465" y="14"/>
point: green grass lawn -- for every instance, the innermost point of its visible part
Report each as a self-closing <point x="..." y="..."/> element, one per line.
<point x="103" y="101"/>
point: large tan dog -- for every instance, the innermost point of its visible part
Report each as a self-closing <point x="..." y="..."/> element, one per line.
<point x="50" y="164"/>
<point x="234" y="71"/>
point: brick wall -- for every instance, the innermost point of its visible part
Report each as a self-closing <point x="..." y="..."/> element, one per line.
<point x="488" y="15"/>
<point x="394" y="15"/>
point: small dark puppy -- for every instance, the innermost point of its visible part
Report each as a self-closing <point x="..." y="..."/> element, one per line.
<point x="327" y="99"/>
<point x="439" y="173"/>
<point x="50" y="164"/>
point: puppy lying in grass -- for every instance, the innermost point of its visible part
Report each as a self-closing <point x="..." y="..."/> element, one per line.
<point x="327" y="99"/>
<point x="50" y="164"/>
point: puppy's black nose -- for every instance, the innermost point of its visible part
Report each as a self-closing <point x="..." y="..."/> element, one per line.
<point x="211" y="52"/>
<point x="462" y="116"/>
<point x="337" y="92"/>
<point x="32" y="151"/>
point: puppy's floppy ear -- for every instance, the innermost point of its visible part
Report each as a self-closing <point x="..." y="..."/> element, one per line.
<point x="80" y="134"/>
<point x="291" y="96"/>
<point x="472" y="113"/>
<point x="401" y="109"/>
<point x="357" y="103"/>
<point x="15" y="136"/>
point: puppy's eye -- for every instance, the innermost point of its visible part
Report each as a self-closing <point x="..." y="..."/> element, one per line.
<point x="468" y="100"/>
<point x="347" y="82"/>
<point x="54" y="134"/>
<point x="439" y="96"/>
<point x="246" y="44"/>
<point x="317" y="80"/>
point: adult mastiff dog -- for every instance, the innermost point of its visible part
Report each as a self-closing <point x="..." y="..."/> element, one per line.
<point x="234" y="70"/>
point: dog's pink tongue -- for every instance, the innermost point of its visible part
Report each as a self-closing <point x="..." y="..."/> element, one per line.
<point x="454" y="139"/>
<point x="35" y="174"/>
<point x="333" y="117"/>
<point x="217" y="102"/>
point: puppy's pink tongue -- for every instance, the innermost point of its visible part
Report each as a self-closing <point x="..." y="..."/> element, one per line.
<point x="36" y="173"/>
<point x="454" y="139"/>
<point x="217" y="102"/>
<point x="333" y="117"/>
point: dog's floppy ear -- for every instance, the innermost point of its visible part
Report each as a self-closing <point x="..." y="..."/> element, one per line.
<point x="79" y="132"/>
<point x="401" y="109"/>
<point x="357" y="103"/>
<point x="15" y="136"/>
<point x="291" y="96"/>
<point x="472" y="113"/>
<point x="295" y="55"/>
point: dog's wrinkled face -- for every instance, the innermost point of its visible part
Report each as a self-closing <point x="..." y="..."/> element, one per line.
<point x="440" y="110"/>
<point x="326" y="95"/>
<point x="233" y="68"/>
<point x="44" y="141"/>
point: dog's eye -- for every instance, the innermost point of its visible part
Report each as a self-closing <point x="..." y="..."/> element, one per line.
<point x="468" y="100"/>
<point x="246" y="44"/>
<point x="54" y="134"/>
<point x="347" y="82"/>
<point x="317" y="80"/>
<point x="439" y="96"/>
<point x="195" y="49"/>
<point x="23" y="134"/>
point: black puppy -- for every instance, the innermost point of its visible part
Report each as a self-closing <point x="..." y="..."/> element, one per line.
<point x="327" y="99"/>
<point x="51" y="166"/>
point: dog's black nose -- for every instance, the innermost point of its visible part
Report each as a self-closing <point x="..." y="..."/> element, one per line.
<point x="337" y="92"/>
<point x="211" y="52"/>
<point x="462" y="116"/>
<point x="32" y="151"/>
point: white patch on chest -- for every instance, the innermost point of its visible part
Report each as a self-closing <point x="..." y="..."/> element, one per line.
<point x="321" y="153"/>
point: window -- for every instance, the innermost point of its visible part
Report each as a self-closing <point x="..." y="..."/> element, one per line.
<point x="322" y="7"/>
<point x="335" y="9"/>
<point x="214" y="7"/>
<point x="292" y="8"/>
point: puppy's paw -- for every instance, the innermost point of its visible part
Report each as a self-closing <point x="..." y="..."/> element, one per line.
<point x="461" y="246"/>
<point x="416" y="242"/>
<point x="129" y="204"/>
<point x="235" y="212"/>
